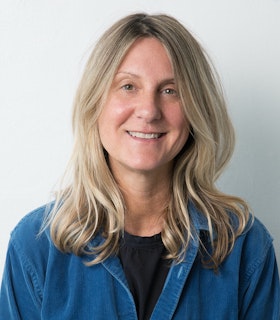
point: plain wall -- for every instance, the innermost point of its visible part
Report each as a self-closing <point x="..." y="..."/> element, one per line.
<point x="43" y="48"/>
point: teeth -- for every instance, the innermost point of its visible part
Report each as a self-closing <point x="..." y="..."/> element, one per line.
<point x="144" y="135"/>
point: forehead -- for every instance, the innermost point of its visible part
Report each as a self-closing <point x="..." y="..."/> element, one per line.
<point x="146" y="55"/>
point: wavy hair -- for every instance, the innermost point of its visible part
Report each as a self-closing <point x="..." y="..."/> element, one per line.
<point x="91" y="202"/>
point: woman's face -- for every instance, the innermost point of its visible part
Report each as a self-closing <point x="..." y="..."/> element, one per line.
<point x="142" y="126"/>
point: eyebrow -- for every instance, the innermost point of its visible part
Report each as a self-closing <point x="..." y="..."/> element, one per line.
<point x="165" y="81"/>
<point x="127" y="73"/>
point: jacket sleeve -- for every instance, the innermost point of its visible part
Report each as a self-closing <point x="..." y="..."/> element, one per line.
<point x="20" y="293"/>
<point x="261" y="297"/>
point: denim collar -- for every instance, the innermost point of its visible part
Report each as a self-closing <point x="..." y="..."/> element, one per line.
<point x="198" y="219"/>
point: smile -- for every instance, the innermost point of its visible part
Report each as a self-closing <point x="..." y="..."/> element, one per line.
<point x="143" y="135"/>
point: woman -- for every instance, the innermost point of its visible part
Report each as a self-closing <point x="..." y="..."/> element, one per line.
<point x="140" y="231"/>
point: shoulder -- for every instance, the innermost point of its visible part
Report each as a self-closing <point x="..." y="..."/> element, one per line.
<point x="31" y="223"/>
<point x="256" y="235"/>
<point x="254" y="248"/>
<point x="27" y="236"/>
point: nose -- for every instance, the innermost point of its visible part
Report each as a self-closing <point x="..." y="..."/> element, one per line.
<point x="148" y="108"/>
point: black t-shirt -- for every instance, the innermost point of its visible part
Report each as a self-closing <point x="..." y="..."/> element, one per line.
<point x="145" y="268"/>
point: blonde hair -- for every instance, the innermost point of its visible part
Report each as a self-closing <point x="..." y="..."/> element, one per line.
<point x="91" y="202"/>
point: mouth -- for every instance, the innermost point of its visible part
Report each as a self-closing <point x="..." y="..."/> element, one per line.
<point x="143" y="135"/>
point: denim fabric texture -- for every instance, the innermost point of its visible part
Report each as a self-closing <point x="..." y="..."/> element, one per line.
<point x="40" y="282"/>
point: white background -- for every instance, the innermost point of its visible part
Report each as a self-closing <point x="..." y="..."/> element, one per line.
<point x="43" y="48"/>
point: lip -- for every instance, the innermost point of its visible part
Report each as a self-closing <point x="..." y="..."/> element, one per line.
<point x="146" y="135"/>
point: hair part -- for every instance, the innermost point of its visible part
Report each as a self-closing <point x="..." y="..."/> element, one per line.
<point x="90" y="202"/>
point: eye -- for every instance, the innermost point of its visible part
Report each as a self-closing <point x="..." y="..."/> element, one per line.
<point x="170" y="91"/>
<point x="128" y="87"/>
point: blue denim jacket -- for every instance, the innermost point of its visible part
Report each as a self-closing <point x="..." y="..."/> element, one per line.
<point x="40" y="282"/>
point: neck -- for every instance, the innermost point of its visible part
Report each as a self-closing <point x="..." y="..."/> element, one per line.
<point x="146" y="198"/>
<point x="145" y="213"/>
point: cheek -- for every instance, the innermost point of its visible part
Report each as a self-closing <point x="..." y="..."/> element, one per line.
<point x="182" y="128"/>
<point x="106" y="120"/>
<point x="114" y="112"/>
<point x="110" y="121"/>
<point x="177" y="120"/>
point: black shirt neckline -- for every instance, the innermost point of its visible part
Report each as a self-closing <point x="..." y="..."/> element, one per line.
<point x="141" y="242"/>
